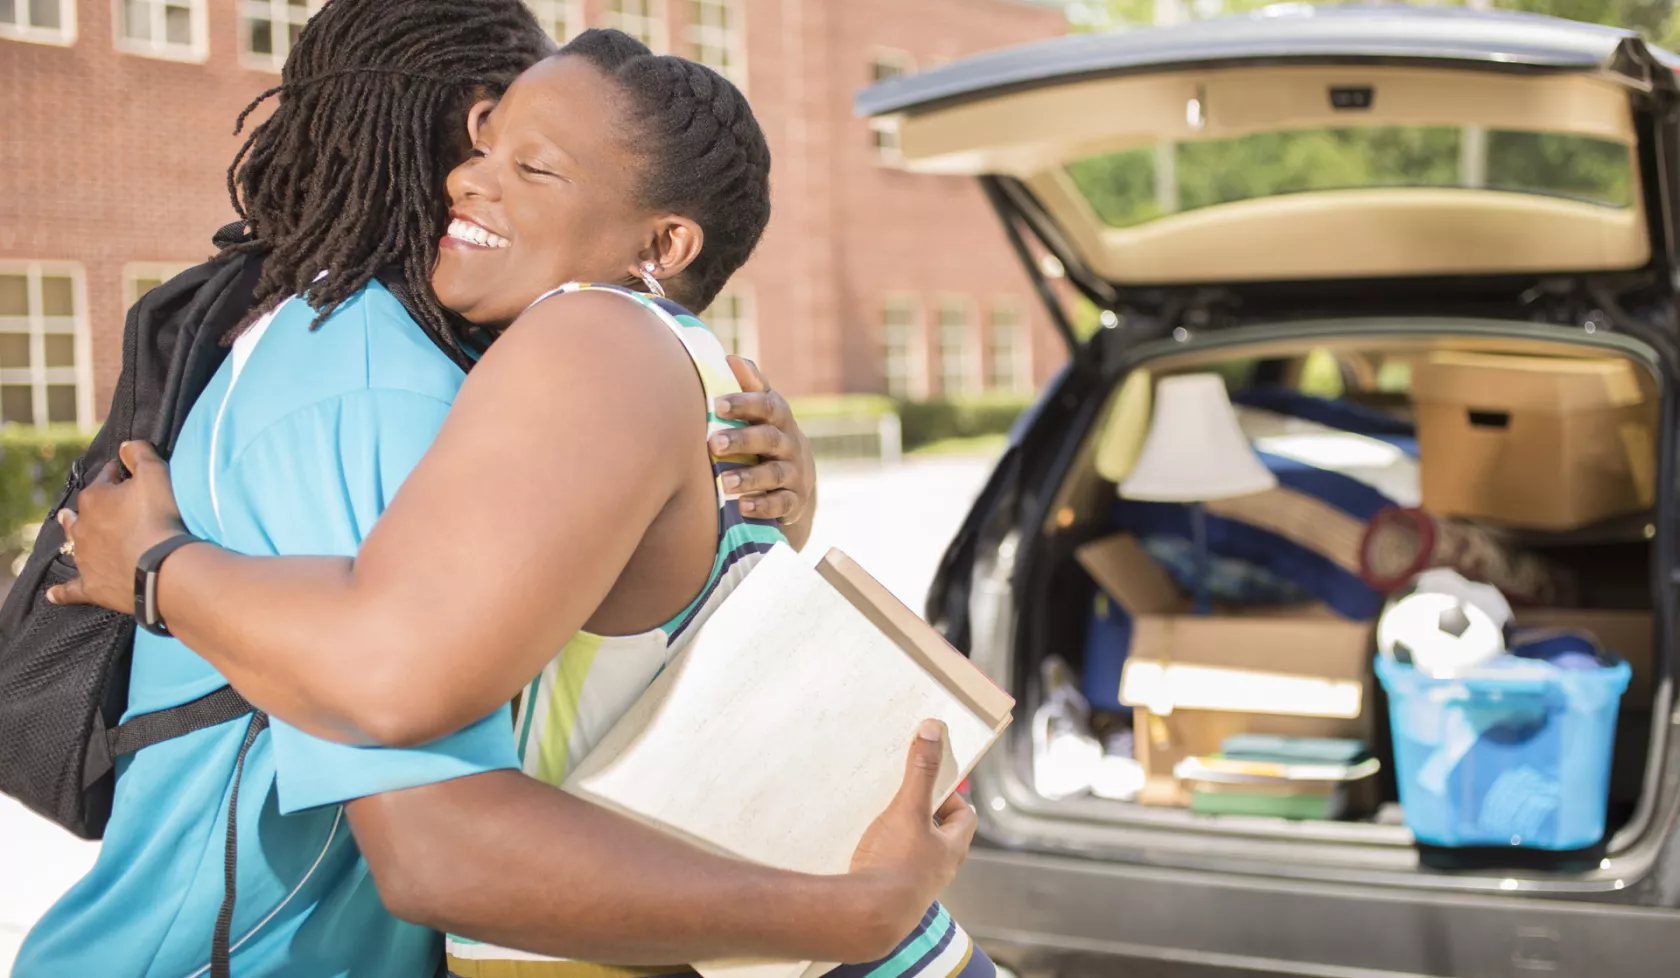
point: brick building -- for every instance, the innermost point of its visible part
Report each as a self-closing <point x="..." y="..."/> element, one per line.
<point x="117" y="120"/>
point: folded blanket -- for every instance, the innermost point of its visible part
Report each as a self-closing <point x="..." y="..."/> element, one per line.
<point x="1337" y="465"/>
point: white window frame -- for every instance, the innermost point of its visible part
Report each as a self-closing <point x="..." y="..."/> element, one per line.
<point x="915" y="346"/>
<point x="158" y="46"/>
<point x="278" y="14"/>
<point x="38" y="375"/>
<point x="730" y="38"/>
<point x="1020" y="361"/>
<point x="655" y="19"/>
<point x="64" y="35"/>
<point x="742" y="326"/>
<point x="547" y="11"/>
<point x="134" y="271"/>
<point x="885" y="131"/>
<point x="968" y="374"/>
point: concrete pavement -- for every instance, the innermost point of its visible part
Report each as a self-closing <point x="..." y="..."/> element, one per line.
<point x="38" y="862"/>
<point x="895" y="521"/>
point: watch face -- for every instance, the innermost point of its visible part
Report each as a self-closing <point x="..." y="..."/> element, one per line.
<point x="145" y="582"/>
<point x="153" y="620"/>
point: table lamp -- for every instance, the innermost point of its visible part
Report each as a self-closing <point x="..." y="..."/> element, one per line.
<point x="1195" y="452"/>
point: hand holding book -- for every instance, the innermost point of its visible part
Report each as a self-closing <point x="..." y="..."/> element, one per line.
<point x="911" y="858"/>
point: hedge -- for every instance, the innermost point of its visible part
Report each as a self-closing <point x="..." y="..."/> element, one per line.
<point x="34" y="462"/>
<point x="842" y="406"/>
<point x="925" y="422"/>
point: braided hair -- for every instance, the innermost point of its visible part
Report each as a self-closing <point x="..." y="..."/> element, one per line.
<point x="347" y="176"/>
<point x="704" y="155"/>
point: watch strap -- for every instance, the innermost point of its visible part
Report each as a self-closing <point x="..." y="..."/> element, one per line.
<point x="145" y="582"/>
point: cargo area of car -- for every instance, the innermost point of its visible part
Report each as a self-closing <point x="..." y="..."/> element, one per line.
<point x="1410" y="304"/>
<point x="1096" y="761"/>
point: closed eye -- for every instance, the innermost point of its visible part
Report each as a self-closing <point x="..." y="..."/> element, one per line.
<point x="536" y="170"/>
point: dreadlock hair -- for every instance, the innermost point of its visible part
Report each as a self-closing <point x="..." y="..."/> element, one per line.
<point x="704" y="155"/>
<point x="347" y="176"/>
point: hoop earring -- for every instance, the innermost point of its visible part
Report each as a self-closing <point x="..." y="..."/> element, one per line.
<point x="646" y="272"/>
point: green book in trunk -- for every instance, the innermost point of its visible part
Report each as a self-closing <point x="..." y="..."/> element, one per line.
<point x="1309" y="805"/>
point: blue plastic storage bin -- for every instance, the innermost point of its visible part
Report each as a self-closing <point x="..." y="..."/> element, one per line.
<point x="1505" y="760"/>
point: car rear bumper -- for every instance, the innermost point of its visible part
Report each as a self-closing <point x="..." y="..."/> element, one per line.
<point x="1059" y="915"/>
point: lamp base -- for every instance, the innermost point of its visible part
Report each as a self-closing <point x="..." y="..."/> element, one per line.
<point x="1203" y="606"/>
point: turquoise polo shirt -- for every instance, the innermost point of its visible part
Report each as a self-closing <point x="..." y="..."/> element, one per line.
<point x="296" y="447"/>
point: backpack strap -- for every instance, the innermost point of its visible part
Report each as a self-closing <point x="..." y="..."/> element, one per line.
<point x="210" y="710"/>
<point x="154" y="728"/>
<point x="228" y="235"/>
<point x="221" y="949"/>
<point x="105" y="745"/>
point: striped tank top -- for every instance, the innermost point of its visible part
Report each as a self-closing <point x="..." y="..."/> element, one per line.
<point x="583" y="691"/>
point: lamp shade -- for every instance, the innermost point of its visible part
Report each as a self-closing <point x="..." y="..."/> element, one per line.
<point x="1195" y="451"/>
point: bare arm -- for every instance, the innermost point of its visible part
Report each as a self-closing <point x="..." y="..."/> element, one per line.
<point x="480" y="856"/>
<point x="496" y="550"/>
<point x="464" y="857"/>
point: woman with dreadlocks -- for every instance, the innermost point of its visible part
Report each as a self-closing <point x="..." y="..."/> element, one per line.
<point x="229" y="850"/>
<point x="516" y="536"/>
<point x="347" y="179"/>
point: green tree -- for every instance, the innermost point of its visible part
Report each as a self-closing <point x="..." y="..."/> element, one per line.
<point x="1121" y="187"/>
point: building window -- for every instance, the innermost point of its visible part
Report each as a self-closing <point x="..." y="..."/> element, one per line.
<point x="888" y="64"/>
<point x="38" y="21"/>
<point x="271" y="29"/>
<point x="562" y="19"/>
<point x="1008" y="366"/>
<point x="44" y="368"/>
<point x="643" y="20"/>
<point x="901" y="349"/>
<point x="175" y="29"/>
<point x="716" y="38"/>
<point x="142" y="277"/>
<point x="732" y="320"/>
<point x="956" y="361"/>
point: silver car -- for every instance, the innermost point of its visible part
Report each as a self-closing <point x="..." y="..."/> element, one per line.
<point x="1352" y="187"/>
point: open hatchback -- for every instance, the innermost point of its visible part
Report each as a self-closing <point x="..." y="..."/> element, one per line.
<point x="1431" y="255"/>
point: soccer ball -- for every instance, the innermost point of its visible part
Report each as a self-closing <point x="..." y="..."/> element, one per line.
<point x="1443" y="625"/>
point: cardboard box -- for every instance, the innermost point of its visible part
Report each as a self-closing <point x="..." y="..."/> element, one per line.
<point x="1195" y="681"/>
<point x="1542" y="442"/>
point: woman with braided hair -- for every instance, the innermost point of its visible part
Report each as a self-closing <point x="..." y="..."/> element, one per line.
<point x="523" y="560"/>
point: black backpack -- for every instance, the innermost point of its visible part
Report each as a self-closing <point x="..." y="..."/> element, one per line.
<point x="64" y="670"/>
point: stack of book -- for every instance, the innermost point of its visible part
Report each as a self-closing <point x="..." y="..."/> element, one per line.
<point x="1284" y="777"/>
<point x="781" y="731"/>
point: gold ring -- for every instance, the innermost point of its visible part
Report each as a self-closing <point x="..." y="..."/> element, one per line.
<point x="69" y="548"/>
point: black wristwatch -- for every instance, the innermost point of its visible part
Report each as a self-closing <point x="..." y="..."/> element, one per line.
<point x="145" y="582"/>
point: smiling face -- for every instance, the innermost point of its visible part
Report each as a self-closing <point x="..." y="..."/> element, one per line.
<point x="549" y="196"/>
